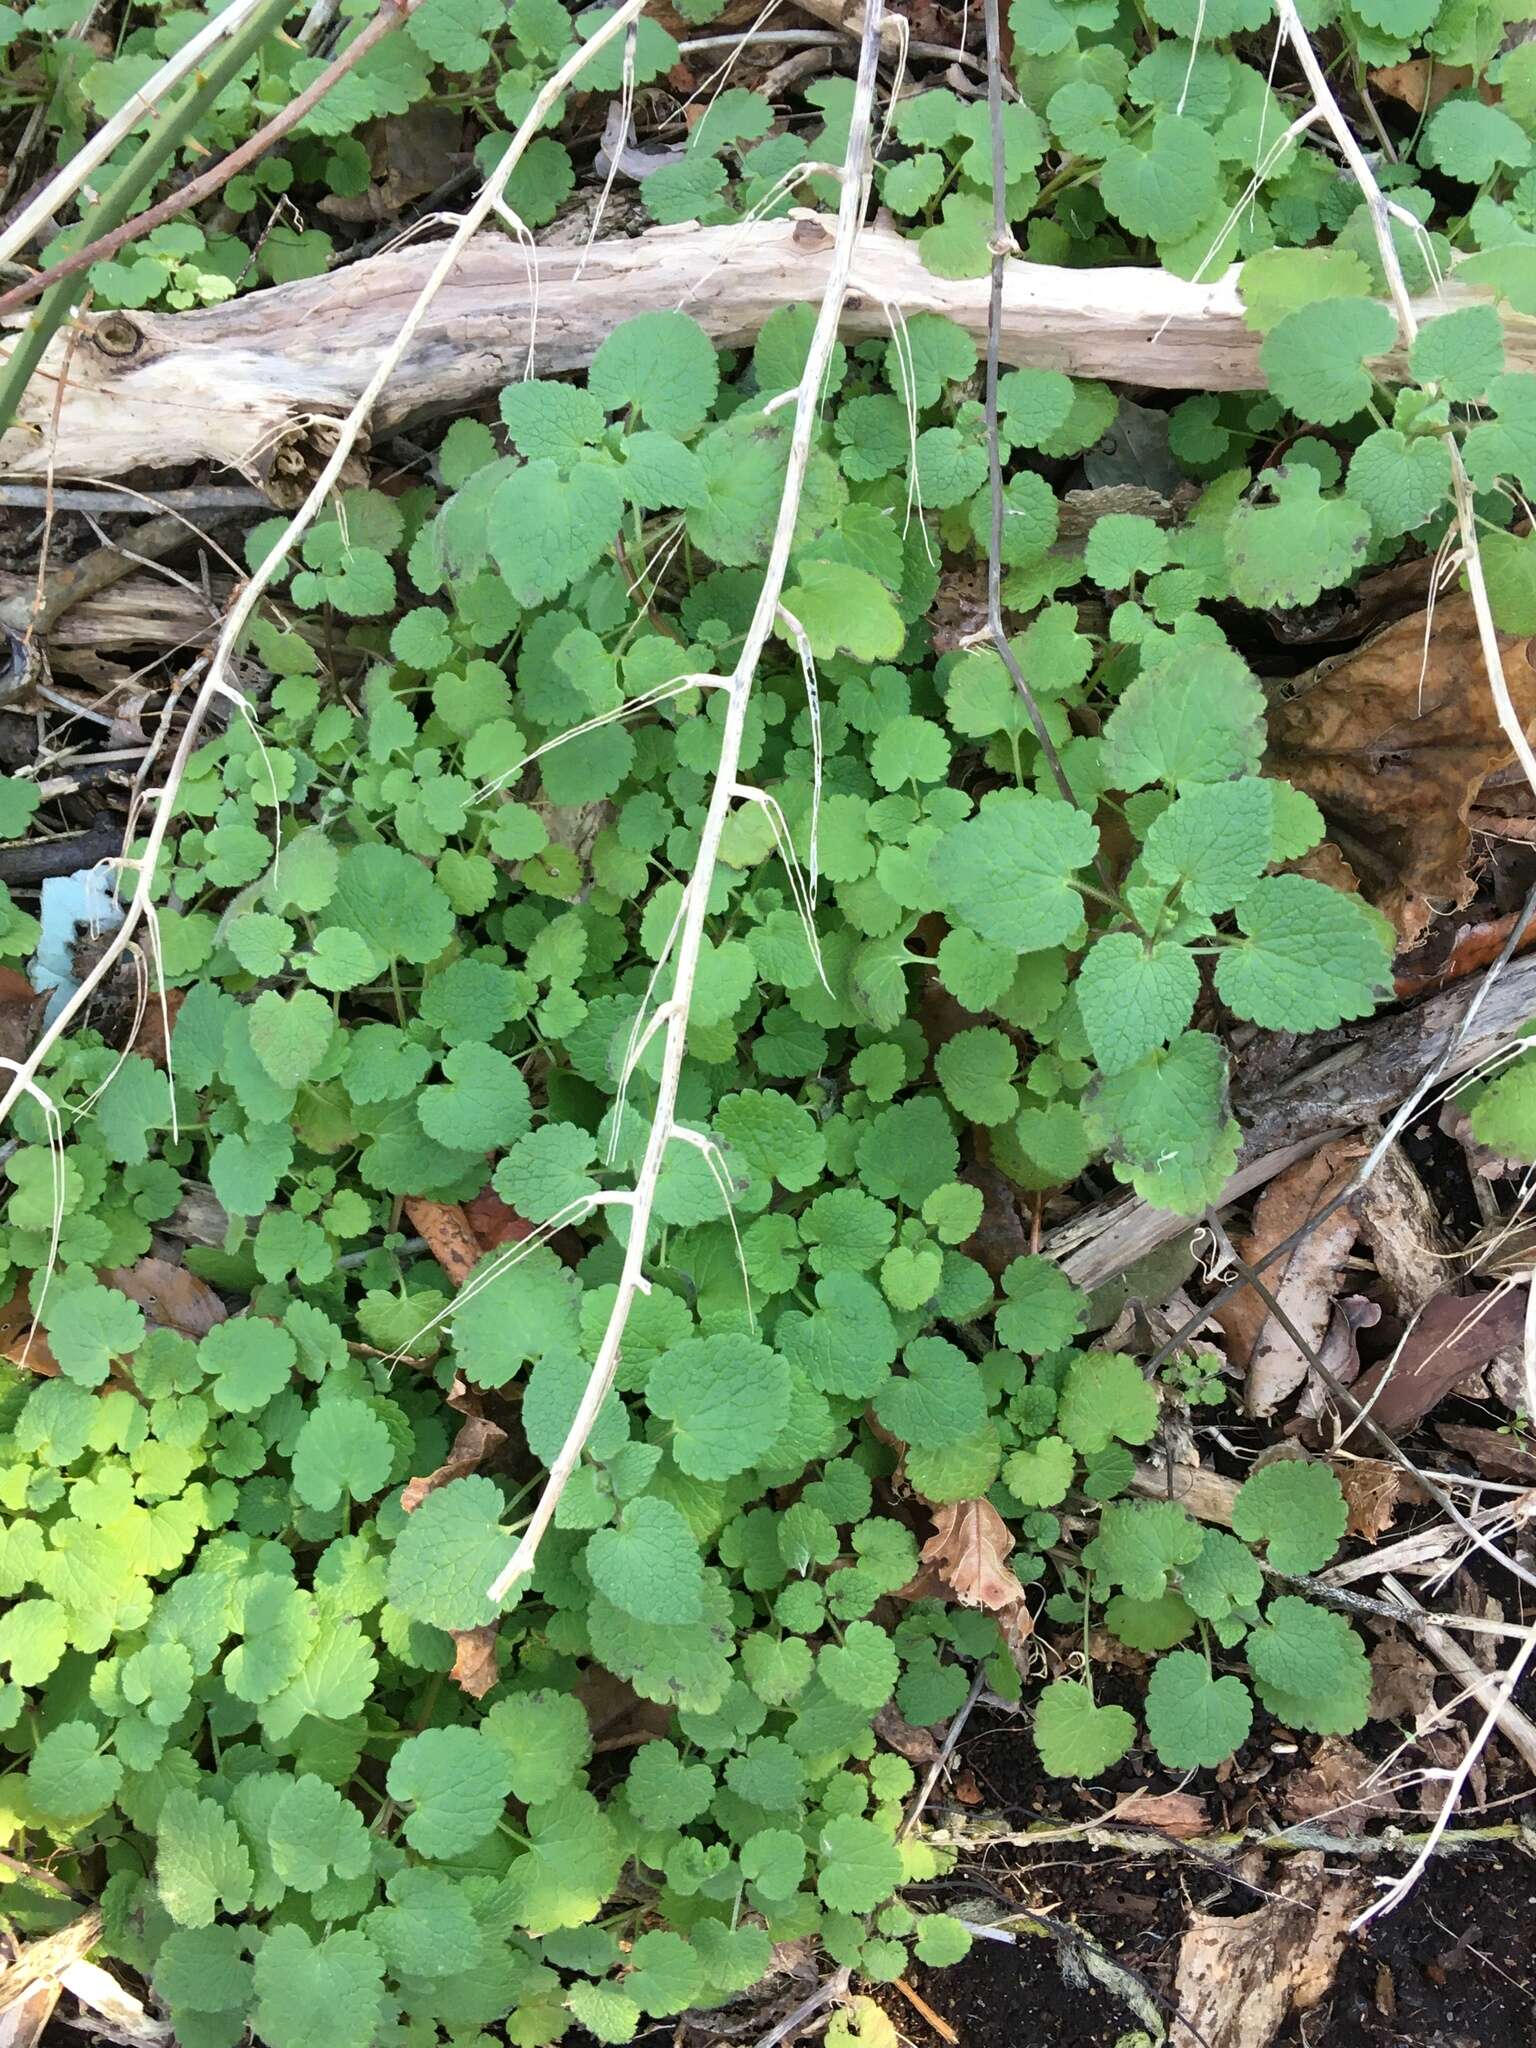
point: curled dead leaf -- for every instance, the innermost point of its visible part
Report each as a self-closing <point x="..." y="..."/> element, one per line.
<point x="450" y="1239"/>
<point x="1421" y="83"/>
<point x="21" y="1341"/>
<point x="494" y="1222"/>
<point x="966" y="1559"/>
<point x="1402" y="1682"/>
<point x="1337" y="1789"/>
<point x="149" y="1041"/>
<point x="1304" y="1282"/>
<point x="1371" y="1489"/>
<point x="917" y="1745"/>
<point x="21" y="1014"/>
<point x="171" y="1297"/>
<point x="1289" y="1200"/>
<point x="1179" y="1814"/>
<point x="1394" y="741"/>
<point x="1474" y="947"/>
<point x="475" y="1665"/>
<point x="964" y="1788"/>
<point x="478" y="1439"/>
<point x="1455" y="1337"/>
<point x="1496" y="1454"/>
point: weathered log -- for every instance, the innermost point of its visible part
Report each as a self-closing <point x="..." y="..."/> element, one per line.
<point x="257" y="384"/>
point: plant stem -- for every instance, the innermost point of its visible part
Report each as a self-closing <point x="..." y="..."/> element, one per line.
<point x="148" y="160"/>
<point x="391" y="13"/>
<point x="690" y="935"/>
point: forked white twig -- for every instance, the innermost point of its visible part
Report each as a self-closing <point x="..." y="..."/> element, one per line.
<point x="62" y="187"/>
<point x="853" y="192"/>
<point x="1382" y="213"/>
<point x="216" y="683"/>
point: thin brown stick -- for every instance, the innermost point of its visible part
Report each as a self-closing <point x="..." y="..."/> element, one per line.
<point x="921" y="2006"/>
<point x="947" y="1749"/>
<point x="389" y="17"/>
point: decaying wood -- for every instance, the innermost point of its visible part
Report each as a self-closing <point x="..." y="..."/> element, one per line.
<point x="259" y="383"/>
<point x="1354" y="1076"/>
<point x="1238" y="1978"/>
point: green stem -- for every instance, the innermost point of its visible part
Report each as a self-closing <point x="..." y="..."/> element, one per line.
<point x="153" y="154"/>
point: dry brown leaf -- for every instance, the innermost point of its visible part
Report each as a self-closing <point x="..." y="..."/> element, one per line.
<point x="1000" y="1237"/>
<point x="917" y="1745"/>
<point x="149" y="1040"/>
<point x="966" y="1559"/>
<point x="1327" y="865"/>
<point x="969" y="1550"/>
<point x="475" y="1668"/>
<point x="21" y="1014"/>
<point x="1338" y="1355"/>
<point x="1475" y="947"/>
<point x="171" y="1297"/>
<point x="21" y="1341"/>
<point x="1422" y="83"/>
<point x="1371" y="1489"/>
<point x="494" y="1222"/>
<point x="1238" y="1979"/>
<point x="1454" y="1338"/>
<point x="1336" y="1788"/>
<point x="478" y="1439"/>
<point x="449" y="1236"/>
<point x="1394" y="746"/>
<point x="1305" y="1282"/>
<point x="1402" y="1682"/>
<point x="1179" y="1814"/>
<point x="1289" y="1200"/>
<point x="1495" y="1455"/>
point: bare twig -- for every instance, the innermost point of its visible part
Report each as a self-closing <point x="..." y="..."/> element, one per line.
<point x="1503" y="1688"/>
<point x="389" y="17"/>
<point x="940" y="1763"/>
<point x="216" y="684"/>
<point x="113" y="498"/>
<point x="1305" y="1835"/>
<point x="726" y="792"/>
<point x="59" y="190"/>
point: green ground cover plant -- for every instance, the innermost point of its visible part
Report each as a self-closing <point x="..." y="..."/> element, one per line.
<point x="418" y="912"/>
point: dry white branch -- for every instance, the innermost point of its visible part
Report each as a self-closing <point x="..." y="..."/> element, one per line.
<point x="1503" y="1690"/>
<point x="1517" y="1726"/>
<point x="664" y="1127"/>
<point x="66" y="182"/>
<point x="1383" y="215"/>
<point x="216" y="683"/>
<point x="260" y="384"/>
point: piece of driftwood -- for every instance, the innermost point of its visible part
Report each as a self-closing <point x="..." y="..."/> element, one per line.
<point x="1353" y="1076"/>
<point x="258" y="384"/>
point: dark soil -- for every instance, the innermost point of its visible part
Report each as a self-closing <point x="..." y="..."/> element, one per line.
<point x="1454" y="1967"/>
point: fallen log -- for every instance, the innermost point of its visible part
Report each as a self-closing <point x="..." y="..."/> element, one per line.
<point x="257" y="385"/>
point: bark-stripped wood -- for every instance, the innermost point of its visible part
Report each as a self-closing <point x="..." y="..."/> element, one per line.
<point x="257" y="384"/>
